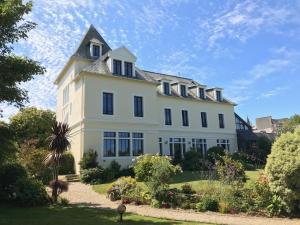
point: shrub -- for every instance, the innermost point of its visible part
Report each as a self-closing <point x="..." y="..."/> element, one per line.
<point x="30" y="192"/>
<point x="156" y="171"/>
<point x="63" y="201"/>
<point x="115" y="168"/>
<point x="128" y="172"/>
<point x="208" y="203"/>
<point x="193" y="161"/>
<point x="187" y="189"/>
<point x="283" y="170"/>
<point x="121" y="187"/>
<point x="230" y="171"/>
<point x="214" y="154"/>
<point x="89" y="160"/>
<point x="67" y="164"/>
<point x="91" y="175"/>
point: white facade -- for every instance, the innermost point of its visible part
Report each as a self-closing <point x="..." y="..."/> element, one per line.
<point x="81" y="103"/>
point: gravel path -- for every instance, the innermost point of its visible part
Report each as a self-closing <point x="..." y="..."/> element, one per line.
<point x="83" y="194"/>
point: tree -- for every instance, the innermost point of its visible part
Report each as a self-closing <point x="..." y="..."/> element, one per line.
<point x="7" y="146"/>
<point x="15" y="69"/>
<point x="290" y="125"/>
<point x="32" y="124"/>
<point x="283" y="170"/>
<point x="59" y="143"/>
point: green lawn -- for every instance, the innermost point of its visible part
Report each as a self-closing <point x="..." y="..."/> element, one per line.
<point x="75" y="216"/>
<point x="192" y="178"/>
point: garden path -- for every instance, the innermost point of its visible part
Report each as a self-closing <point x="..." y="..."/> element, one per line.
<point x="83" y="194"/>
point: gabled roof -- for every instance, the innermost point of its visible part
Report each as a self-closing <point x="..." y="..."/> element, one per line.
<point x="83" y="49"/>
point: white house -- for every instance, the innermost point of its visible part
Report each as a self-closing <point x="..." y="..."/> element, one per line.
<point x="122" y="111"/>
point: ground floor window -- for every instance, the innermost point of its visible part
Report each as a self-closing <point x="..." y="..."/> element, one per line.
<point x="109" y="144"/>
<point x="122" y="144"/>
<point x="160" y="143"/>
<point x="177" y="148"/>
<point x="199" y="145"/>
<point x="137" y="144"/>
<point x="224" y="143"/>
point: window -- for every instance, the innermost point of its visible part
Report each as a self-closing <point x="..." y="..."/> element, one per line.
<point x="201" y="93"/>
<point x="203" y="119"/>
<point x="183" y="90"/>
<point x="66" y="95"/>
<point x="124" y="144"/>
<point x="219" y="97"/>
<point x="117" y="67"/>
<point x="137" y="144"/>
<point x="128" y="69"/>
<point x="166" y="86"/>
<point x="108" y="103"/>
<point x="224" y="143"/>
<point x="185" y="118"/>
<point x="199" y="145"/>
<point x="109" y="144"/>
<point x="221" y="120"/>
<point x="138" y="106"/>
<point x="168" y="117"/>
<point x="177" y="148"/>
<point x="160" y="146"/>
<point x="96" y="50"/>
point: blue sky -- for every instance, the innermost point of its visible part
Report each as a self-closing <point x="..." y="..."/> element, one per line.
<point x="250" y="48"/>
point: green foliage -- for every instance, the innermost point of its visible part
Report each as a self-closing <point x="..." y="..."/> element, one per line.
<point x="187" y="189"/>
<point x="89" y="160"/>
<point x="67" y="164"/>
<point x="32" y="159"/>
<point x="32" y="124"/>
<point x="283" y="170"/>
<point x="214" y="154"/>
<point x="290" y="125"/>
<point x="15" y="69"/>
<point x="277" y="206"/>
<point x="155" y="171"/>
<point x="91" y="175"/>
<point x="230" y="171"/>
<point x="193" y="161"/>
<point x="207" y="203"/>
<point x="8" y="148"/>
<point x="63" y="201"/>
<point x="115" y="168"/>
<point x="30" y="192"/>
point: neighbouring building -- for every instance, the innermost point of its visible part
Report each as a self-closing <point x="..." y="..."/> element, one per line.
<point x="122" y="111"/>
<point x="268" y="126"/>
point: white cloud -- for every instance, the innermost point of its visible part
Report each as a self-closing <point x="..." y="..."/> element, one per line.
<point x="273" y="92"/>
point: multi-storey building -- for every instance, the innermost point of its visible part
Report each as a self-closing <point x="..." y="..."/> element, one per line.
<point x="122" y="111"/>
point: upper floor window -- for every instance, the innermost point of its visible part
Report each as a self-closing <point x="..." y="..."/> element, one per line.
<point x="221" y="120"/>
<point x="66" y="95"/>
<point x="203" y="119"/>
<point x="128" y="69"/>
<point x="138" y="106"/>
<point x="219" y="96"/>
<point x="168" y="117"/>
<point x="185" y="118"/>
<point x="108" y="103"/>
<point x="201" y="93"/>
<point x="166" y="87"/>
<point x="117" y="67"/>
<point x="183" y="90"/>
<point x="96" y="50"/>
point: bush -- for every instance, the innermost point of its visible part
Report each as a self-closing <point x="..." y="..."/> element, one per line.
<point x="67" y="164"/>
<point x="208" y="203"/>
<point x="89" y="160"/>
<point x="214" y="154"/>
<point x="128" y="172"/>
<point x="115" y="168"/>
<point x="193" y="161"/>
<point x="156" y="171"/>
<point x="63" y="201"/>
<point x="187" y="189"/>
<point x="283" y="170"/>
<point x="230" y="171"/>
<point x="121" y="187"/>
<point x="30" y="192"/>
<point x="91" y="175"/>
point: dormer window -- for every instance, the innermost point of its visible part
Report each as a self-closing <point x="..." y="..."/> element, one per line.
<point x="117" y="67"/>
<point x="95" y="48"/>
<point x="96" y="51"/>
<point x="201" y="93"/>
<point x="183" y="90"/>
<point x="218" y="96"/>
<point x="166" y="87"/>
<point x="128" y="69"/>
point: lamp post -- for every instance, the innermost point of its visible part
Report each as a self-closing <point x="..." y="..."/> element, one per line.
<point x="121" y="209"/>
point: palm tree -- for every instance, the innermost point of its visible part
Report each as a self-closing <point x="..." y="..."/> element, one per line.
<point x="59" y="143"/>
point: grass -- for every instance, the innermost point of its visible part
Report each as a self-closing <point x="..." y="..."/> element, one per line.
<point x="193" y="178"/>
<point x="75" y="216"/>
